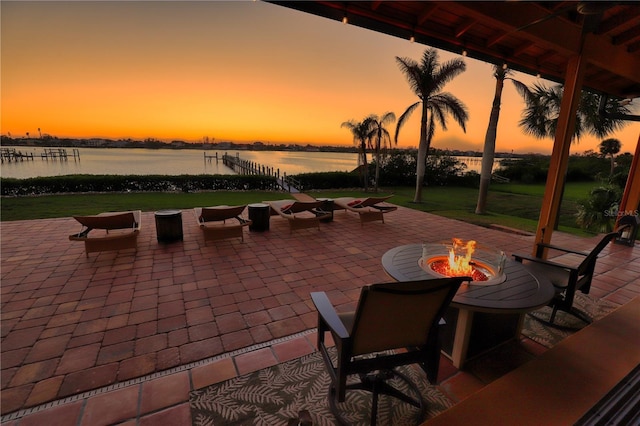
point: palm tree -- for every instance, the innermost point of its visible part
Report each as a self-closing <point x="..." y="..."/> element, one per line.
<point x="381" y="137"/>
<point x="361" y="131"/>
<point x="540" y="117"/>
<point x="610" y="147"/>
<point x="426" y="80"/>
<point x="501" y="74"/>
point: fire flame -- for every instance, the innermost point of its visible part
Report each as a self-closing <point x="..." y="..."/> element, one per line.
<point x="460" y="265"/>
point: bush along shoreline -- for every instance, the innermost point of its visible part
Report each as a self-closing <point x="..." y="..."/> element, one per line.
<point x="12" y="187"/>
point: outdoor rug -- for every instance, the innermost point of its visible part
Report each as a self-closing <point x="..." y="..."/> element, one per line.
<point x="548" y="335"/>
<point x="274" y="396"/>
<point x="277" y="395"/>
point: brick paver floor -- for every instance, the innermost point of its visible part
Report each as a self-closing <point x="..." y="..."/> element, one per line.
<point x="71" y="324"/>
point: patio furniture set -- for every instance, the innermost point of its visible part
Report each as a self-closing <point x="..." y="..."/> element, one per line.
<point x="121" y="229"/>
<point x="405" y="314"/>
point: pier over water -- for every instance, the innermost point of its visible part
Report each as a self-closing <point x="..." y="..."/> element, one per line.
<point x="13" y="155"/>
<point x="245" y="167"/>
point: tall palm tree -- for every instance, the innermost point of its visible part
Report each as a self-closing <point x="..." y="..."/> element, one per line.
<point x="501" y="74"/>
<point x="426" y="80"/>
<point x="381" y="137"/>
<point x="610" y="147"/>
<point x="540" y="116"/>
<point x="361" y="131"/>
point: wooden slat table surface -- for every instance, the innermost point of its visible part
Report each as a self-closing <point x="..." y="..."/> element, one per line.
<point x="522" y="291"/>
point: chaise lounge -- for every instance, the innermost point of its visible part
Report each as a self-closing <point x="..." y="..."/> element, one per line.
<point x="369" y="209"/>
<point x="221" y="222"/>
<point x="121" y="231"/>
<point x="300" y="214"/>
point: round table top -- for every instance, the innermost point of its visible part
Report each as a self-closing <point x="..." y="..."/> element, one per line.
<point x="168" y="213"/>
<point x="522" y="291"/>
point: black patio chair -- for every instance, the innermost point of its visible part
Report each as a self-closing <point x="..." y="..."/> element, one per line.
<point x="568" y="273"/>
<point x="398" y="322"/>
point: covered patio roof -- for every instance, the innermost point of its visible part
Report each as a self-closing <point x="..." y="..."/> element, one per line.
<point x="592" y="45"/>
<point x="532" y="37"/>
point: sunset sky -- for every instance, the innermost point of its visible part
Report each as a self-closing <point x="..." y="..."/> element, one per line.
<point x="233" y="71"/>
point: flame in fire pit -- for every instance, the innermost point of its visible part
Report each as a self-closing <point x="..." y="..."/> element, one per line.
<point x="460" y="265"/>
<point x="456" y="260"/>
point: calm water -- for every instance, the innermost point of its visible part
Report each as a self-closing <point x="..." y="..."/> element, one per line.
<point x="125" y="161"/>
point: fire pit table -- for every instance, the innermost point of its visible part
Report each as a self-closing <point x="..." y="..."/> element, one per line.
<point x="481" y="315"/>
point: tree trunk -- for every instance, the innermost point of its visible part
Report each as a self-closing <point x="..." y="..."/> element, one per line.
<point x="365" y="166"/>
<point x="613" y="166"/>
<point x="422" y="155"/>
<point x="489" y="151"/>
<point x="377" y="167"/>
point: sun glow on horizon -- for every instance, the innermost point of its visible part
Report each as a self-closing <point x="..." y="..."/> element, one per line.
<point x="230" y="71"/>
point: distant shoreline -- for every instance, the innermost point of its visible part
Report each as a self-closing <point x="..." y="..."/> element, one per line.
<point x="217" y="146"/>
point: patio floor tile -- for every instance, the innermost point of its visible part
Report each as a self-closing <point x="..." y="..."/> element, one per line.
<point x="72" y="324"/>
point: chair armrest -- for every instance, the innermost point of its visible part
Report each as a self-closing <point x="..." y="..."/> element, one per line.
<point x="520" y="257"/>
<point x="566" y="250"/>
<point x="329" y="314"/>
<point x="384" y="208"/>
<point x="243" y="221"/>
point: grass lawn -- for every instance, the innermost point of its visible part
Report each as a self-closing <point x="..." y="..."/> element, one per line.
<point x="514" y="206"/>
<point x="573" y="191"/>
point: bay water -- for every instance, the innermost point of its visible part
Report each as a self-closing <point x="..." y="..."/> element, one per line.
<point x="142" y="161"/>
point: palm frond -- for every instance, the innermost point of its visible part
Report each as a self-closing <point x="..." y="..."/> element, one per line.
<point x="447" y="72"/>
<point x="453" y="106"/>
<point x="404" y="118"/>
<point x="411" y="71"/>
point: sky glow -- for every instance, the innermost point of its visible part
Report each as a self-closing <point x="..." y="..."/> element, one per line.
<point x="231" y="71"/>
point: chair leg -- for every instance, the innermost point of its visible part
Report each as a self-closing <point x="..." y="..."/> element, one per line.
<point x="571" y="311"/>
<point x="377" y="384"/>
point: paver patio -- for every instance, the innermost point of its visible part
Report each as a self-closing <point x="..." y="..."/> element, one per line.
<point x="72" y="324"/>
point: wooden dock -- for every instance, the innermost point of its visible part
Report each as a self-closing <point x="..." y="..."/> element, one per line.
<point x="59" y="154"/>
<point x="246" y="167"/>
<point x="11" y="155"/>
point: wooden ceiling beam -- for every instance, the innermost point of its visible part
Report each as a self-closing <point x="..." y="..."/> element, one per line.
<point x="376" y="4"/>
<point x="426" y="13"/>
<point x="509" y="16"/>
<point x="522" y="48"/>
<point x="496" y="38"/>
<point x="615" y="59"/>
<point x="541" y="59"/>
<point x="618" y="20"/>
<point x="464" y="26"/>
<point x="627" y="36"/>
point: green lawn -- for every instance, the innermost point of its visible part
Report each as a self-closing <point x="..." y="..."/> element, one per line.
<point x="514" y="206"/>
<point x="573" y="191"/>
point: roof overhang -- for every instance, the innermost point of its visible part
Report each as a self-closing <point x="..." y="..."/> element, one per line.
<point x="532" y="37"/>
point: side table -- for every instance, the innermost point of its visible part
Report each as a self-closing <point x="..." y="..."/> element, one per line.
<point x="259" y="214"/>
<point x="168" y="225"/>
<point x="327" y="206"/>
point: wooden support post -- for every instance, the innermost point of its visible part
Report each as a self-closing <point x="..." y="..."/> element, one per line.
<point x="631" y="197"/>
<point x="560" y="155"/>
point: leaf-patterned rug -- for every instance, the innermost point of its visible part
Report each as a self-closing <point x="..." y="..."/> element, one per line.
<point x="274" y="396"/>
<point x="568" y="324"/>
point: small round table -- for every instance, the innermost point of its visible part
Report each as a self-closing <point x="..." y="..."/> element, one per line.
<point x="259" y="214"/>
<point x="480" y="317"/>
<point x="168" y="225"/>
<point x="327" y="206"/>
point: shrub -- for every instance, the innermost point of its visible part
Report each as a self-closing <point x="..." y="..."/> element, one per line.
<point x="134" y="183"/>
<point x="594" y="213"/>
<point x="327" y="180"/>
